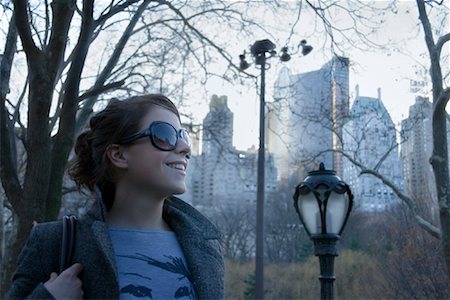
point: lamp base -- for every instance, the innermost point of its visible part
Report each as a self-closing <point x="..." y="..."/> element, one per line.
<point x="325" y="244"/>
<point x="325" y="249"/>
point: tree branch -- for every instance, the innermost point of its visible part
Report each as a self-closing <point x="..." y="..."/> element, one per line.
<point x="22" y="21"/>
<point x="385" y="155"/>
<point x="113" y="11"/>
<point x="16" y="114"/>
<point x="101" y="79"/>
<point x="436" y="74"/>
<point x="63" y="140"/>
<point x="62" y="14"/>
<point x="427" y="226"/>
<point x="199" y="34"/>
<point x="101" y="90"/>
<point x="47" y="22"/>
<point x="8" y="171"/>
<point x="35" y="29"/>
<point x="441" y="41"/>
<point x="441" y="102"/>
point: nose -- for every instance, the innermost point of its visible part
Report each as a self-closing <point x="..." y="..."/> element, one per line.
<point x="183" y="146"/>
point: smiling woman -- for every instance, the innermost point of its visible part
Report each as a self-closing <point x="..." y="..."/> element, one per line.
<point x="135" y="153"/>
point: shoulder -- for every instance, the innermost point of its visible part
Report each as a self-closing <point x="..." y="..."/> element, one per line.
<point x="37" y="260"/>
<point x="47" y="227"/>
<point x="47" y="233"/>
<point x="46" y="239"/>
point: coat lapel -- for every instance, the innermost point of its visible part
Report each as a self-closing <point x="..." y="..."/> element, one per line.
<point x="97" y="253"/>
<point x="199" y="240"/>
<point x="206" y="267"/>
<point x="100" y="231"/>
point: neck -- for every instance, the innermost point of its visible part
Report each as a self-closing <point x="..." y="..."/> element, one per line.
<point x="138" y="210"/>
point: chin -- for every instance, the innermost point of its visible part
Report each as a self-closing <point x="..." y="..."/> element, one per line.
<point x="179" y="191"/>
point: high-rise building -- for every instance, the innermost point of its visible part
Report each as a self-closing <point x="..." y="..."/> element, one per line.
<point x="222" y="175"/>
<point x="416" y="150"/>
<point x="370" y="139"/>
<point x="304" y="121"/>
<point x="218" y="126"/>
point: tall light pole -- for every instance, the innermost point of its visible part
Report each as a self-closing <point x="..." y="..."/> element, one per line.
<point x="261" y="51"/>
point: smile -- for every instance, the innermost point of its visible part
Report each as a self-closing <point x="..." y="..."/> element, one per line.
<point x="177" y="166"/>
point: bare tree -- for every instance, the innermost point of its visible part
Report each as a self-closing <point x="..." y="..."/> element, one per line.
<point x="237" y="226"/>
<point x="441" y="95"/>
<point x="286" y="241"/>
<point x="146" y="45"/>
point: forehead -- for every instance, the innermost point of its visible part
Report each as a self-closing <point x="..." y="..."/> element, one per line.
<point x="158" y="113"/>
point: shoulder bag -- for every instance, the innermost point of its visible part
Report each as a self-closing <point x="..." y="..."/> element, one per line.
<point x="68" y="241"/>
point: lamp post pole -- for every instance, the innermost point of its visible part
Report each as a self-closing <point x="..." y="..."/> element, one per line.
<point x="259" y="50"/>
<point x="325" y="249"/>
<point x="259" y="269"/>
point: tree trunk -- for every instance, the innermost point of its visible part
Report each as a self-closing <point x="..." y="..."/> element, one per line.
<point x="2" y="237"/>
<point x="10" y="184"/>
<point x="21" y="230"/>
<point x="43" y="68"/>
<point x="439" y="159"/>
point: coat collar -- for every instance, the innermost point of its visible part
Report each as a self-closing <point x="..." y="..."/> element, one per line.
<point x="182" y="217"/>
<point x="187" y="221"/>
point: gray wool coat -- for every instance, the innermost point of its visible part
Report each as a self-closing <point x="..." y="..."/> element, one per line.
<point x="198" y="237"/>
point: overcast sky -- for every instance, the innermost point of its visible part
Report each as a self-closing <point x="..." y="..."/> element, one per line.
<point x="390" y="69"/>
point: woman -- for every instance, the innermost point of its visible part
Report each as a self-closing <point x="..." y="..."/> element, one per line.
<point x="137" y="240"/>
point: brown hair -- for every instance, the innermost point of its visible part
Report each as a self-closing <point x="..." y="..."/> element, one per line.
<point x="119" y="119"/>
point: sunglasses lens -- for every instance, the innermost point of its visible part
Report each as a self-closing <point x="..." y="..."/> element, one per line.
<point x="164" y="136"/>
<point x="186" y="137"/>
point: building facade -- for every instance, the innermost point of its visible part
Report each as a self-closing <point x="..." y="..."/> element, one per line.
<point x="221" y="175"/>
<point x="370" y="139"/>
<point x="304" y="122"/>
<point x="416" y="150"/>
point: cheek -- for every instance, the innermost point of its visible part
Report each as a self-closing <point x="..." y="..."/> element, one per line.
<point x="146" y="163"/>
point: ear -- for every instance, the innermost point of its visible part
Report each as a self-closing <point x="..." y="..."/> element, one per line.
<point x="116" y="156"/>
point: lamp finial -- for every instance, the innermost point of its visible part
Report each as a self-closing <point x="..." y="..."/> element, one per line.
<point x="321" y="167"/>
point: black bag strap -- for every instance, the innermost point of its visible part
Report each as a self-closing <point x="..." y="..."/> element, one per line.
<point x="68" y="241"/>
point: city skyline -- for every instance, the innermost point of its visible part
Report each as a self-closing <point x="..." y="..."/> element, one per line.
<point x="219" y="166"/>
<point x="397" y="103"/>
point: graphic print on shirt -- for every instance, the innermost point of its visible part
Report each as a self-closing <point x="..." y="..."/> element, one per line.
<point x="175" y="265"/>
<point x="137" y="291"/>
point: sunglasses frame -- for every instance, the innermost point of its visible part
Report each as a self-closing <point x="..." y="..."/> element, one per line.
<point x="179" y="134"/>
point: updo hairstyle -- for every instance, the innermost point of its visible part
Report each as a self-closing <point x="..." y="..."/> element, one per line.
<point x="118" y="120"/>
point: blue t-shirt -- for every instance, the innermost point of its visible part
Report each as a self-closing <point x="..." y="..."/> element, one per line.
<point x="150" y="264"/>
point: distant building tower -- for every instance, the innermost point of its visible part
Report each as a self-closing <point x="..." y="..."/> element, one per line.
<point x="304" y="122"/>
<point x="416" y="150"/>
<point x="370" y="139"/>
<point x="218" y="126"/>
<point x="217" y="145"/>
<point x="222" y="175"/>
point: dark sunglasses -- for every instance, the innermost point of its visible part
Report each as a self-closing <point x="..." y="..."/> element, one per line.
<point x="163" y="136"/>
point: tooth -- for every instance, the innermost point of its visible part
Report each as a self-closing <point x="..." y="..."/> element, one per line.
<point x="177" y="166"/>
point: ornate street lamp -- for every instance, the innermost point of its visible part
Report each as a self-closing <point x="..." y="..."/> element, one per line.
<point x="323" y="203"/>
<point x="261" y="51"/>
